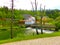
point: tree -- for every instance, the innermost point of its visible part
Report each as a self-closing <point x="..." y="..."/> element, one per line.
<point x="57" y="23"/>
<point x="53" y="13"/>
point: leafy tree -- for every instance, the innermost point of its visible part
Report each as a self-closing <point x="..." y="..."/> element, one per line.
<point x="53" y="13"/>
<point x="57" y="23"/>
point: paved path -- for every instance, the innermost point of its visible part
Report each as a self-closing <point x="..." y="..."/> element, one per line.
<point x="40" y="41"/>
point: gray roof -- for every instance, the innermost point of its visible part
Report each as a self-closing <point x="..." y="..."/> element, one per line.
<point x="26" y="16"/>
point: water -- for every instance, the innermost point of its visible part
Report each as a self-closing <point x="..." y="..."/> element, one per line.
<point x="39" y="30"/>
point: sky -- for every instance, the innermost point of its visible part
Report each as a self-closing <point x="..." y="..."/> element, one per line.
<point x="26" y="4"/>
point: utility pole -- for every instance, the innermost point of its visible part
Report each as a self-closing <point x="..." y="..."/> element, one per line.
<point x="41" y="20"/>
<point x="12" y="13"/>
<point x="35" y="16"/>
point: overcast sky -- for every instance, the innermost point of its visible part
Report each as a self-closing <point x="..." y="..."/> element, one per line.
<point x="26" y="4"/>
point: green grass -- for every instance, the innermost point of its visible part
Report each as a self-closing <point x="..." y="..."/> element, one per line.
<point x="19" y="34"/>
<point x="25" y="37"/>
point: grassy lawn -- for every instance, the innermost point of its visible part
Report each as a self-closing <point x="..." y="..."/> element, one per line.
<point x="21" y="36"/>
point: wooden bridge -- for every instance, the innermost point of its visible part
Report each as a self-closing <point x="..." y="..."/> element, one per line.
<point x="50" y="27"/>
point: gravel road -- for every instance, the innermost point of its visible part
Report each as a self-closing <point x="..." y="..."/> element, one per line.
<point x="40" y="41"/>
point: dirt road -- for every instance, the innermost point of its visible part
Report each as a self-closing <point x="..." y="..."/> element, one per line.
<point x="40" y="41"/>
